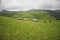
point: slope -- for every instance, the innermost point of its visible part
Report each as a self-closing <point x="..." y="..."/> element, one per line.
<point x="13" y="29"/>
<point x="38" y="14"/>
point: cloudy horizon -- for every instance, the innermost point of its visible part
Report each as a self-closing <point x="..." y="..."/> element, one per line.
<point x="20" y="5"/>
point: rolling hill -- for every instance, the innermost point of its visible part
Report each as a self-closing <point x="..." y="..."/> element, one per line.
<point x="38" y="14"/>
<point x="13" y="29"/>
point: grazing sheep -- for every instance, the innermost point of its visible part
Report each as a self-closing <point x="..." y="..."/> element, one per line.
<point x="35" y="20"/>
<point x="25" y="18"/>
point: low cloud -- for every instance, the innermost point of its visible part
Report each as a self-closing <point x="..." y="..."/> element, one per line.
<point x="29" y="4"/>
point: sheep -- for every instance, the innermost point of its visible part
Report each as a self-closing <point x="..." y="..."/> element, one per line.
<point x="35" y="20"/>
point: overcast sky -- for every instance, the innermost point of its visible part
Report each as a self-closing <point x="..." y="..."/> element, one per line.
<point x="29" y="4"/>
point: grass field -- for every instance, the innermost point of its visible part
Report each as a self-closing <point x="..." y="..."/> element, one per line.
<point x="13" y="29"/>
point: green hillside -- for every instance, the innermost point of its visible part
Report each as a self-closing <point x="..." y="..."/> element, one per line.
<point x="55" y="14"/>
<point x="23" y="15"/>
<point x="38" y="14"/>
<point x="13" y="29"/>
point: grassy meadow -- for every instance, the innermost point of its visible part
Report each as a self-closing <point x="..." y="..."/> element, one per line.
<point x="13" y="29"/>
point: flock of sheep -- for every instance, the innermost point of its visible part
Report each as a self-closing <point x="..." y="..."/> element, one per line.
<point x="35" y="20"/>
<point x="28" y="19"/>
